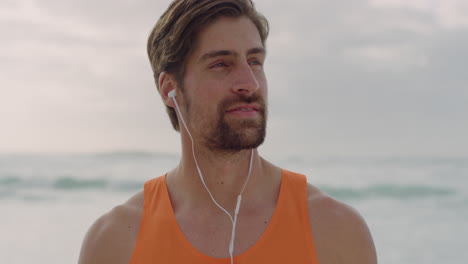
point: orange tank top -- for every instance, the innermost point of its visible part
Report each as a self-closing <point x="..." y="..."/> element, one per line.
<point x="287" y="238"/>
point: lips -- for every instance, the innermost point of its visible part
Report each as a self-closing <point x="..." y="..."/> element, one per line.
<point x="244" y="108"/>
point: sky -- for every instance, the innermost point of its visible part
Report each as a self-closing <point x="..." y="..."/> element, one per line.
<point x="345" y="78"/>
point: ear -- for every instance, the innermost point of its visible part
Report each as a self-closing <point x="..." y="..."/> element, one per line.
<point x="167" y="83"/>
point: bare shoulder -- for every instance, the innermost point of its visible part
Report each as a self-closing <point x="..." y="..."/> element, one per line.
<point x="112" y="237"/>
<point x="340" y="233"/>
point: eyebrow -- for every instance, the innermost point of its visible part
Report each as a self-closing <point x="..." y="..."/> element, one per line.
<point x="217" y="53"/>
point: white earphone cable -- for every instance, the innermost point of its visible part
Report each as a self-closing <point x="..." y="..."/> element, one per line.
<point x="239" y="197"/>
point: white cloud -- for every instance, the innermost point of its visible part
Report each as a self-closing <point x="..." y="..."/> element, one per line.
<point x="449" y="14"/>
<point x="399" y="57"/>
<point x="421" y="5"/>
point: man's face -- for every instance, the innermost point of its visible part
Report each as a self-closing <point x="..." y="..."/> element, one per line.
<point x="225" y="88"/>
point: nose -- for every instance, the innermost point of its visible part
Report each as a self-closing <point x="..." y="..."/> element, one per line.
<point x="246" y="82"/>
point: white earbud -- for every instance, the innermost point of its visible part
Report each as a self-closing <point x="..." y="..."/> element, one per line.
<point x="172" y="94"/>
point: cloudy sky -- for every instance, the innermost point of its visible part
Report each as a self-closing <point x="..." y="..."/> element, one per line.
<point x="346" y="78"/>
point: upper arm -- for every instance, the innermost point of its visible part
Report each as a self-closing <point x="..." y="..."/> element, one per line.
<point x="105" y="241"/>
<point x="358" y="246"/>
<point x="340" y="233"/>
<point x="97" y="242"/>
<point x="112" y="237"/>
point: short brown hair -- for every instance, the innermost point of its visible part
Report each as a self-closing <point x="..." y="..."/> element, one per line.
<point x="173" y="37"/>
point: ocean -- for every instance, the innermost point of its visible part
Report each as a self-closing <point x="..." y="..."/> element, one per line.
<point x="416" y="208"/>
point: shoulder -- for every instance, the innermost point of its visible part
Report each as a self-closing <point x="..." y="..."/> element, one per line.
<point x="112" y="237"/>
<point x="340" y="233"/>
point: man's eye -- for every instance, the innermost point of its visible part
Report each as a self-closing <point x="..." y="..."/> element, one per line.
<point x="255" y="62"/>
<point x="218" y="65"/>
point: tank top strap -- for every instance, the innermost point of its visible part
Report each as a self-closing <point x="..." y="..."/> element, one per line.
<point x="288" y="238"/>
<point x="151" y="236"/>
<point x="296" y="193"/>
<point x="298" y="187"/>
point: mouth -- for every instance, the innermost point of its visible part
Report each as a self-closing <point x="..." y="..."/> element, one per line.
<point x="244" y="111"/>
<point x="244" y="108"/>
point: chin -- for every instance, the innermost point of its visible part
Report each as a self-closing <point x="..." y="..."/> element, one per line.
<point x="235" y="140"/>
<point x="235" y="135"/>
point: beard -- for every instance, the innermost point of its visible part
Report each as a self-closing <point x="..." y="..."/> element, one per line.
<point x="235" y="135"/>
<point x="244" y="134"/>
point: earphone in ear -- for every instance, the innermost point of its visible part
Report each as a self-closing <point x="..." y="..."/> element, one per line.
<point x="172" y="94"/>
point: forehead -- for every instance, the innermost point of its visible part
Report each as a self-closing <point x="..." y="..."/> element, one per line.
<point x="236" y="34"/>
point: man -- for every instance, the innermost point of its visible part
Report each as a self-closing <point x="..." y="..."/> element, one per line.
<point x="223" y="203"/>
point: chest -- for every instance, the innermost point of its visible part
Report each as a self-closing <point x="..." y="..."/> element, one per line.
<point x="211" y="234"/>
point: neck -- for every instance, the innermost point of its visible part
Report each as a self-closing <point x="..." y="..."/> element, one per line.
<point x="224" y="173"/>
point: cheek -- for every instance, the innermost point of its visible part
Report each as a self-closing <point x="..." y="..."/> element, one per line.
<point x="261" y="78"/>
<point x="262" y="82"/>
<point x="203" y="107"/>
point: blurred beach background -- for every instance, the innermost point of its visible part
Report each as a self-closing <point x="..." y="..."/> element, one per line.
<point x="416" y="208"/>
<point x="368" y="98"/>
